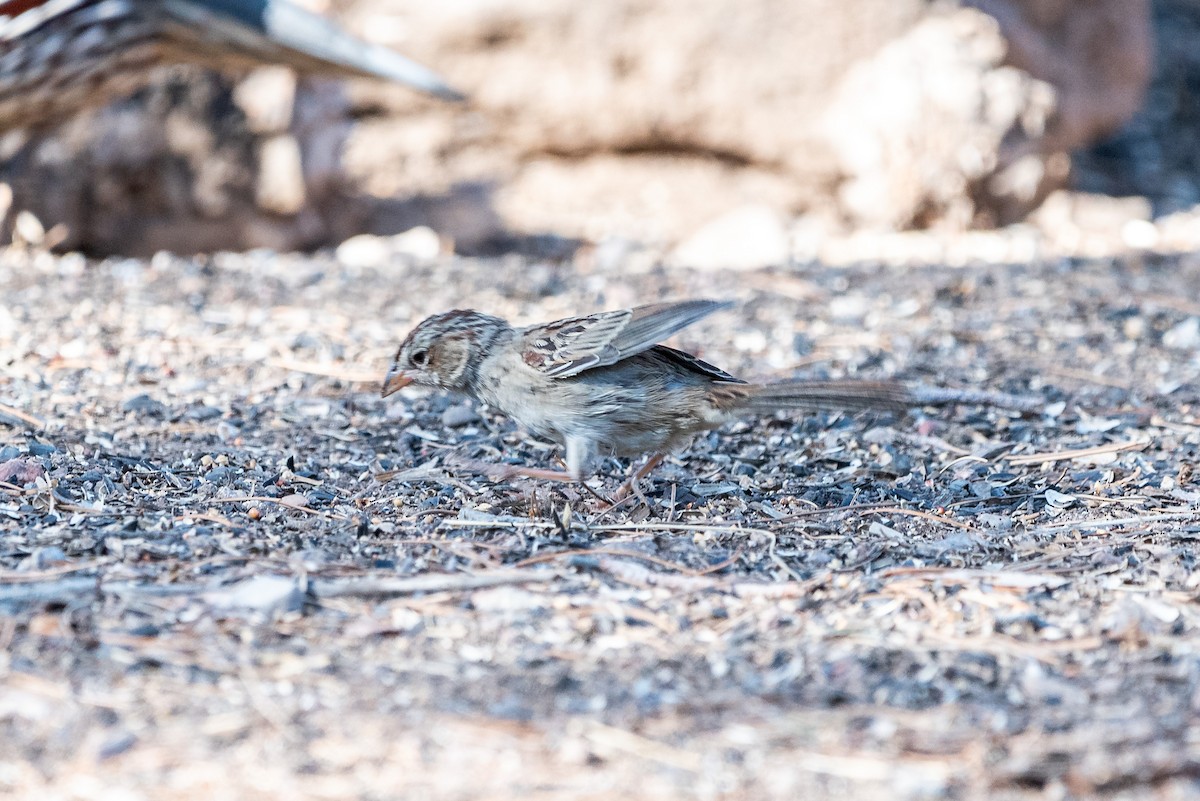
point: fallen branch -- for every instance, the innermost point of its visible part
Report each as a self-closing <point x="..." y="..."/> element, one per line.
<point x="641" y="576"/>
<point x="898" y="510"/>
<point x="1010" y="579"/>
<point x="1116" y="522"/>
<point x="62" y="591"/>
<point x="281" y="502"/>
<point x="456" y="582"/>
<point x="73" y="589"/>
<point x="1079" y="453"/>
<point x="654" y="560"/>
<point x="17" y="418"/>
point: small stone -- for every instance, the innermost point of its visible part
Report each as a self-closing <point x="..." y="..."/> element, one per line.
<point x="1134" y="327"/>
<point x="281" y="176"/>
<point x="43" y="558"/>
<point x="218" y="475"/>
<point x="1139" y="234"/>
<point x="266" y="96"/>
<point x="878" y="529"/>
<point x="714" y="490"/>
<point x="116" y="745"/>
<point x="744" y="239"/>
<point x="1060" y="500"/>
<point x="421" y="243"/>
<point x="364" y="250"/>
<point x="1184" y="336"/>
<point x="29" y="229"/>
<point x="144" y="405"/>
<point x="460" y="414"/>
<point x="6" y="200"/>
<point x="613" y="252"/>
<point x="262" y="593"/>
<point x="202" y="413"/>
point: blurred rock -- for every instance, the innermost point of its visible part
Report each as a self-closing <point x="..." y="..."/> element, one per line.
<point x="1154" y="154"/>
<point x="280" y="176"/>
<point x="21" y="471"/>
<point x="1180" y="231"/>
<point x="266" y="97"/>
<point x="918" y="128"/>
<point x="647" y="120"/>
<point x="923" y="117"/>
<point x="262" y="593"/>
<point x="321" y="125"/>
<point x="6" y="201"/>
<point x="364" y="250"/>
<point x="28" y="229"/>
<point x="421" y="243"/>
<point x="1097" y="54"/>
<point x="1094" y="224"/>
<point x="623" y="119"/>
<point x="174" y="160"/>
<point x="1184" y="335"/>
<point x="718" y="77"/>
<point x="464" y="214"/>
<point x="459" y="415"/>
<point x="743" y="239"/>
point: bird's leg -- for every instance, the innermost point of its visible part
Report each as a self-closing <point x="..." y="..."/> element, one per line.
<point x="579" y="456"/>
<point x="631" y="485"/>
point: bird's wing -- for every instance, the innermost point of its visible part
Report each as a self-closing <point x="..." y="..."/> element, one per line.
<point x="695" y="364"/>
<point x="569" y="347"/>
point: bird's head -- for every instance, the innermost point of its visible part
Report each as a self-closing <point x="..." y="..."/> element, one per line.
<point x="443" y="351"/>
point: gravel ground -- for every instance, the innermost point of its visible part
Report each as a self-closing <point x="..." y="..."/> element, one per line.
<point x="228" y="569"/>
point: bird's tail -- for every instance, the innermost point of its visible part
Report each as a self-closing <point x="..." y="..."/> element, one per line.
<point x="843" y="395"/>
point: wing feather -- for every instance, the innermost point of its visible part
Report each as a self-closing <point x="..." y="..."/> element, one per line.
<point x="571" y="346"/>
<point x="695" y="364"/>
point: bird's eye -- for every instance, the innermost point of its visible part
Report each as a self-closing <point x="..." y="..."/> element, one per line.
<point x="420" y="357"/>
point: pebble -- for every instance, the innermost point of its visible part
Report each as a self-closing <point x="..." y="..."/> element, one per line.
<point x="144" y="404"/>
<point x="460" y="414"/>
<point x="744" y="239"/>
<point x="421" y="243"/>
<point x="1184" y="336"/>
<point x="43" y="558"/>
<point x="263" y="592"/>
<point x="202" y="413"/>
<point x="364" y="250"/>
<point x="219" y="475"/>
<point x="281" y="176"/>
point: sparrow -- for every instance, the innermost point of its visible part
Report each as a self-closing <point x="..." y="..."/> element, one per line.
<point x="603" y="385"/>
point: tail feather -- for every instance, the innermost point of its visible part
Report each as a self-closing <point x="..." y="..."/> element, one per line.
<point x="843" y="395"/>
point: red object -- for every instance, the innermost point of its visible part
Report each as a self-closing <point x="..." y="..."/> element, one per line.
<point x="12" y="8"/>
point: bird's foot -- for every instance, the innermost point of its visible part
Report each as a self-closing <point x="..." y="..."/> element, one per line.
<point x="630" y="487"/>
<point x="506" y="472"/>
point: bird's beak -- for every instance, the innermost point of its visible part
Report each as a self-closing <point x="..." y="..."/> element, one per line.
<point x="396" y="380"/>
